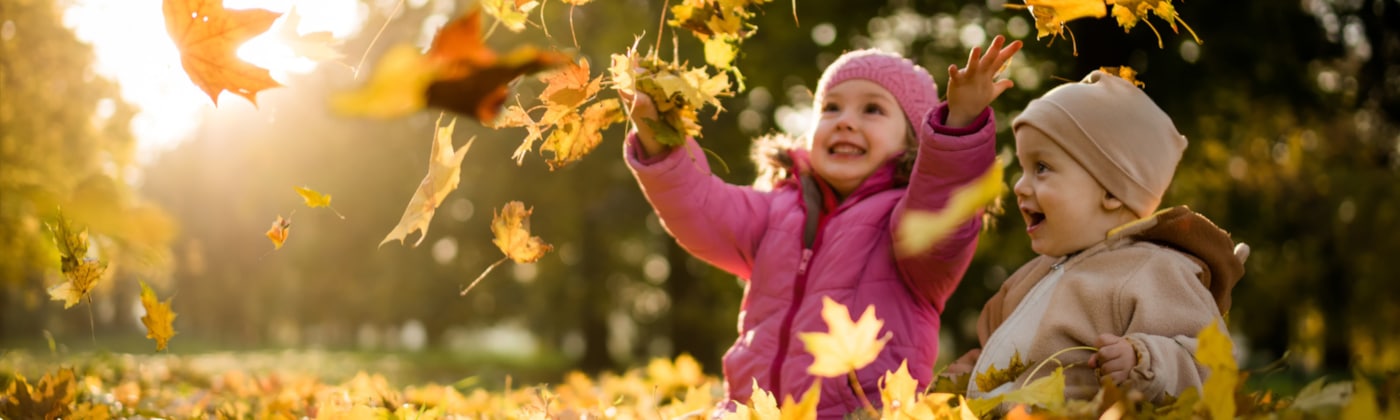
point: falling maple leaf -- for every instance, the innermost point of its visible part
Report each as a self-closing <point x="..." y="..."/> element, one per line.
<point x="722" y="25"/>
<point x="512" y="13"/>
<point x="279" y="231"/>
<point x="1052" y="15"/>
<point x="444" y="173"/>
<point x="459" y="73"/>
<point x="82" y="273"/>
<point x="315" y="46"/>
<point x="208" y="37"/>
<point x="511" y="230"/>
<point x="846" y="346"/>
<point x="570" y="86"/>
<point x="921" y="230"/>
<point x="159" y="319"/>
<point x="315" y="199"/>
<point x="1129" y="12"/>
<point x="398" y="86"/>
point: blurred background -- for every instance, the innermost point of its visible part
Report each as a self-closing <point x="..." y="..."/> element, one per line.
<point x="1291" y="109"/>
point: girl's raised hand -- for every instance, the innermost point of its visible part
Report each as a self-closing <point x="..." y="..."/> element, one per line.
<point x="972" y="89"/>
<point x="640" y="109"/>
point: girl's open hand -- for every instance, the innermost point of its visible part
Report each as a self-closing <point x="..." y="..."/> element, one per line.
<point x="640" y="109"/>
<point x="1115" y="359"/>
<point x="972" y="89"/>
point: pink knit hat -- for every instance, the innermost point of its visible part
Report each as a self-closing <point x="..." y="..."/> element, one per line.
<point x="910" y="84"/>
<point x="1115" y="131"/>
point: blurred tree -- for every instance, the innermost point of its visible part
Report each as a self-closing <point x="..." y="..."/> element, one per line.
<point x="65" y="144"/>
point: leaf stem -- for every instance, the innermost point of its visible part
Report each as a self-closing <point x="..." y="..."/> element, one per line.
<point x="92" y="325"/>
<point x="1053" y="357"/>
<point x="483" y="275"/>
<point x="361" y="65"/>
<point x="860" y="392"/>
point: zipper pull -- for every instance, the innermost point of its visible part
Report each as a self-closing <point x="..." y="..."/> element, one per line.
<point x="806" y="259"/>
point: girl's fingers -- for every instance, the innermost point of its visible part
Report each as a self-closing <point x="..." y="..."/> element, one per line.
<point x="988" y="59"/>
<point x="974" y="58"/>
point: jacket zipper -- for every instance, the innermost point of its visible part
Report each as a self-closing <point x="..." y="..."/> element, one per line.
<point x="799" y="291"/>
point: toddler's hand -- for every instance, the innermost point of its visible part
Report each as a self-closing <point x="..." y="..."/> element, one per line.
<point x="1115" y="359"/>
<point x="970" y="90"/>
<point x="964" y="364"/>
<point x="640" y="109"/>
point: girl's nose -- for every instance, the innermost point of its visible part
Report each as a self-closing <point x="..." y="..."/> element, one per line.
<point x="846" y="121"/>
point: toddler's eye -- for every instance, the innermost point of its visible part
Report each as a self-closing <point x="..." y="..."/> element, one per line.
<point x="830" y="108"/>
<point x="874" y="109"/>
<point x="1040" y="168"/>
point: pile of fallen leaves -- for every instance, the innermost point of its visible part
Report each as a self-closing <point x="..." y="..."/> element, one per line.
<point x="224" y="386"/>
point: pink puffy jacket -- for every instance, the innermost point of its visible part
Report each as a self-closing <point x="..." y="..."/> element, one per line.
<point x="759" y="236"/>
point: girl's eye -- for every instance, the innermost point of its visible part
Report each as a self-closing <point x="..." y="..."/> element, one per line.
<point x="874" y="109"/>
<point x="830" y="108"/>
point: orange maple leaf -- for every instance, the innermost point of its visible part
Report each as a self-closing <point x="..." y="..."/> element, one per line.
<point x="158" y="319"/>
<point x="472" y="79"/>
<point x="278" y="233"/>
<point x="208" y="37"/>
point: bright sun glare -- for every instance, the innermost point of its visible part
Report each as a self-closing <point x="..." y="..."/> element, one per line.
<point x="133" y="48"/>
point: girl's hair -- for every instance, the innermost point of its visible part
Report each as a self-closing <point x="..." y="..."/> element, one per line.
<point x="772" y="158"/>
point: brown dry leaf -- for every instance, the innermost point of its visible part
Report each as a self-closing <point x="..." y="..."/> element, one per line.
<point x="208" y="37"/>
<point x="159" y="319"/>
<point x="444" y="173"/>
<point x="279" y="231"/>
<point x="472" y="80"/>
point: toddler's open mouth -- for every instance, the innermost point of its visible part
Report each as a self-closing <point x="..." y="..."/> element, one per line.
<point x="1033" y="218"/>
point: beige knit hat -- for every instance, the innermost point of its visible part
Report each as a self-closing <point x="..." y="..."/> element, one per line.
<point x="1113" y="129"/>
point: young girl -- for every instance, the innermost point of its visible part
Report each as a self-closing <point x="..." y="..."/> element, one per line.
<point x="826" y="231"/>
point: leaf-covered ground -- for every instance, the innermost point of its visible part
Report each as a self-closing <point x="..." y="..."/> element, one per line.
<point x="327" y="385"/>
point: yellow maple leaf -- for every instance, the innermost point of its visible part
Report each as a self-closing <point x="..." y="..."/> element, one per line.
<point x="900" y="394"/>
<point x="511" y="227"/>
<point x="82" y="273"/>
<point x="940" y="406"/>
<point x="1214" y="350"/>
<point x="208" y="37"/>
<point x="805" y="409"/>
<point x="159" y="319"/>
<point x="765" y="407"/>
<point x="1051" y="15"/>
<point x="279" y="231"/>
<point x="1048" y="392"/>
<point x="1125" y="73"/>
<point x="684" y="372"/>
<point x="397" y="87"/>
<point x="1129" y="12"/>
<point x="846" y="346"/>
<point x="512" y="13"/>
<point x="921" y="230"/>
<point x="444" y="173"/>
<point x="315" y="199"/>
<point x="517" y="116"/>
<point x="577" y="135"/>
